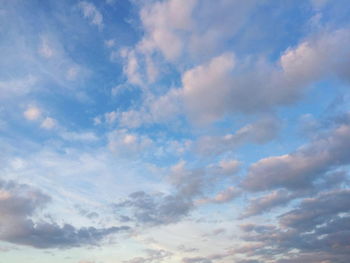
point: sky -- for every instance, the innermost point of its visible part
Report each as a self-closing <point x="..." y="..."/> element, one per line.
<point x="174" y="131"/>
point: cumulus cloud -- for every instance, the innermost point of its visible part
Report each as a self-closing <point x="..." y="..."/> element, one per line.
<point x="225" y="84"/>
<point x="301" y="168"/>
<point x="162" y="21"/>
<point x="207" y="88"/>
<point x="19" y="203"/>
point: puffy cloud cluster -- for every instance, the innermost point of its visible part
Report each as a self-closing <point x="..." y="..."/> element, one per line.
<point x="227" y="85"/>
<point x="221" y="83"/>
<point x="301" y="168"/>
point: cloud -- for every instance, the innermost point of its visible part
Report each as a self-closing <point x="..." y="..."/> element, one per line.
<point x="153" y="255"/>
<point x="76" y="136"/>
<point x="318" y="228"/>
<point x="17" y="87"/>
<point x="127" y="144"/>
<point x="19" y="203"/>
<point x="301" y="168"/>
<point x="207" y="88"/>
<point x="224" y="196"/>
<point x="265" y="203"/>
<point x="45" y="49"/>
<point x="32" y="113"/>
<point x="131" y="67"/>
<point x="196" y="260"/>
<point x="48" y="123"/>
<point x="162" y="21"/>
<point x="157" y="209"/>
<point x="201" y="259"/>
<point x="315" y="211"/>
<point x="91" y="12"/>
<point x="261" y="131"/>
<point x="155" y="109"/>
<point x="226" y="84"/>
<point x="191" y="29"/>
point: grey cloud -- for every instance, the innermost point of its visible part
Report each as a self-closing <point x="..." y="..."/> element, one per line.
<point x="185" y="249"/>
<point x="19" y="202"/>
<point x="154" y="209"/>
<point x="88" y="214"/>
<point x="301" y="168"/>
<point x="313" y="211"/>
<point x="196" y="260"/>
<point x="318" y="228"/>
<point x="159" y="208"/>
<point x="248" y="261"/>
<point x="256" y="228"/>
<point x="191" y="183"/>
<point x="277" y="198"/>
<point x="267" y="202"/>
<point x="153" y="256"/>
<point x="207" y="259"/>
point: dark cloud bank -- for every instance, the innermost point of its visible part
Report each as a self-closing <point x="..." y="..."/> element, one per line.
<point x="19" y="203"/>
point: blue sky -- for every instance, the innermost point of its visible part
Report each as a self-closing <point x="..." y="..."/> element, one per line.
<point x="190" y="131"/>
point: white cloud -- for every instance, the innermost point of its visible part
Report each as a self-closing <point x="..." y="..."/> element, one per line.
<point x="127" y="144"/>
<point x="207" y="88"/>
<point x="76" y="136"/>
<point x="48" y="123"/>
<point x="32" y="113"/>
<point x="72" y="73"/>
<point x="91" y="12"/>
<point x="110" y="43"/>
<point x="131" y="68"/>
<point x="161" y="21"/>
<point x="111" y="117"/>
<point x="17" y="87"/>
<point x="45" y="49"/>
<point x="155" y="109"/>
